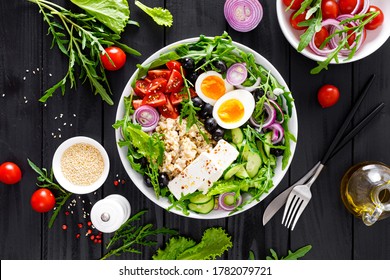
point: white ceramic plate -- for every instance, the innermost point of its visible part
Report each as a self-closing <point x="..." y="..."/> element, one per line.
<point x="375" y="38"/>
<point x="163" y="202"/>
<point x="63" y="181"/>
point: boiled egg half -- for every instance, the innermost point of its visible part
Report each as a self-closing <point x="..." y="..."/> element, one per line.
<point x="234" y="108"/>
<point x="210" y="86"/>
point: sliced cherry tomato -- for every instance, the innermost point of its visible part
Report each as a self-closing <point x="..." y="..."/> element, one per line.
<point x="330" y="9"/>
<point x="117" y="56"/>
<point x="141" y="87"/>
<point x="376" y="21"/>
<point x="154" y="99"/>
<point x="176" y="98"/>
<point x="173" y="64"/>
<point x="328" y="95"/>
<point x="175" y="82"/>
<point x="168" y="110"/>
<point x="42" y="200"/>
<point x="10" y="173"/>
<point x="295" y="6"/>
<point x="158" y="84"/>
<point x="320" y="37"/>
<point x="137" y="103"/>
<point x="295" y="21"/>
<point x="347" y="6"/>
<point x="159" y="73"/>
<point x="193" y="93"/>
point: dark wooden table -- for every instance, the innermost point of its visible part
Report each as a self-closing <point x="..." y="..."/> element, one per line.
<point x="29" y="129"/>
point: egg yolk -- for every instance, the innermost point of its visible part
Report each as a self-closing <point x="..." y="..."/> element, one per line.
<point x="231" y="111"/>
<point x="213" y="87"/>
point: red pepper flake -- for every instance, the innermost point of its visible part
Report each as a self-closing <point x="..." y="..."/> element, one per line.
<point x="123" y="182"/>
<point x="89" y="223"/>
<point x="99" y="241"/>
<point x="92" y="237"/>
<point x="96" y="241"/>
<point x="116" y="183"/>
<point x="80" y="225"/>
<point x="99" y="236"/>
<point x="89" y="231"/>
<point x="78" y="235"/>
<point x="64" y="227"/>
<point x="67" y="213"/>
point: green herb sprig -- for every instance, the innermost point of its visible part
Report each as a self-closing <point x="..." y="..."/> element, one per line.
<point x="129" y="236"/>
<point x="301" y="252"/>
<point x="46" y="180"/>
<point x="82" y="39"/>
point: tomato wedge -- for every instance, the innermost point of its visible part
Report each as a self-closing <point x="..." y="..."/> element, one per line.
<point x="168" y="110"/>
<point x="137" y="103"/>
<point x="141" y="87"/>
<point x="154" y="99"/>
<point x="173" y="64"/>
<point x="159" y="73"/>
<point x="175" y="82"/>
<point x="158" y="84"/>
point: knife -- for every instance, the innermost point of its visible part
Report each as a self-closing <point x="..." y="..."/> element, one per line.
<point x="281" y="199"/>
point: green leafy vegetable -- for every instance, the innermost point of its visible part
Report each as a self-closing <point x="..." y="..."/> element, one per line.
<point x="114" y="14"/>
<point x="82" y="39"/>
<point x="46" y="180"/>
<point x="129" y="235"/>
<point x="215" y="241"/>
<point x="301" y="252"/>
<point x="159" y="15"/>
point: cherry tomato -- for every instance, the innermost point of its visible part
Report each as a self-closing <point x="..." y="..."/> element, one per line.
<point x="158" y="84"/>
<point x="295" y="6"/>
<point x="320" y="37"/>
<point x="117" y="56"/>
<point x="168" y="110"/>
<point x="328" y="95"/>
<point x="141" y="87"/>
<point x="42" y="200"/>
<point x="376" y="21"/>
<point x="154" y="99"/>
<point x="159" y="73"/>
<point x="10" y="173"/>
<point x="347" y="6"/>
<point x="330" y="9"/>
<point x="173" y="64"/>
<point x="136" y="104"/>
<point x="295" y="21"/>
<point x="175" y="82"/>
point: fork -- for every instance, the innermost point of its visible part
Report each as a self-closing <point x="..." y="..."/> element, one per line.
<point x="300" y="195"/>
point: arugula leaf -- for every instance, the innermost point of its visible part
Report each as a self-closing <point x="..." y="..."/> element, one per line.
<point x="159" y="15"/>
<point x="301" y="252"/>
<point x="114" y="14"/>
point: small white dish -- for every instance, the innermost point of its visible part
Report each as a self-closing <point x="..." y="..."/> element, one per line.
<point x="66" y="183"/>
<point x="375" y="38"/>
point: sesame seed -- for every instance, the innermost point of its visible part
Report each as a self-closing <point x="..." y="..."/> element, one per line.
<point x="34" y="72"/>
<point x="74" y="115"/>
<point x="59" y="129"/>
<point x="27" y="70"/>
<point x="55" y="117"/>
<point x="26" y="101"/>
<point x="64" y="123"/>
<point x="38" y="69"/>
<point x="24" y="78"/>
<point x="50" y="74"/>
<point x="70" y="124"/>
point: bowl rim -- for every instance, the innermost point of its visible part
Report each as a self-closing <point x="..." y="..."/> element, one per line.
<point x="163" y="201"/>
<point x="368" y="46"/>
<point x="65" y="183"/>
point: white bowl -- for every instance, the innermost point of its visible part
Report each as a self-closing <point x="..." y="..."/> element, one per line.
<point x="162" y="201"/>
<point x="375" y="38"/>
<point x="63" y="181"/>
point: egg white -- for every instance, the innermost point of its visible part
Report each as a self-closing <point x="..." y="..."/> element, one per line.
<point x="199" y="82"/>
<point x="247" y="100"/>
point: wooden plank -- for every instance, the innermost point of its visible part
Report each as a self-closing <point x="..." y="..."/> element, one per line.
<point x="20" y="127"/>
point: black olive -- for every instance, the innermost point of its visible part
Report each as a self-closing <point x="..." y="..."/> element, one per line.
<point x="201" y="63"/>
<point x="148" y="181"/>
<point x="210" y="124"/>
<point x="258" y="93"/>
<point x="163" y="180"/>
<point x="277" y="152"/>
<point x="192" y="77"/>
<point x="206" y="111"/>
<point x="197" y="102"/>
<point x="218" y="134"/>
<point x="188" y="64"/>
<point x="220" y="65"/>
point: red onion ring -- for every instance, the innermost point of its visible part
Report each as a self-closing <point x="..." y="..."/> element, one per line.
<point x="147" y="117"/>
<point x="236" y="74"/>
<point x="355" y="10"/>
<point x="276" y="105"/>
<point x="325" y="52"/>
<point x="365" y="8"/>
<point x="243" y="15"/>
<point x="278" y="132"/>
<point x="224" y="206"/>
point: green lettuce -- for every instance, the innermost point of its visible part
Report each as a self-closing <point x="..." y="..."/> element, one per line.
<point x="114" y="14"/>
<point x="159" y="15"/>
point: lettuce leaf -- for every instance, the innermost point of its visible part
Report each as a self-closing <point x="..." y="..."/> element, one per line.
<point x="114" y="14"/>
<point x="159" y="15"/>
<point x="175" y="246"/>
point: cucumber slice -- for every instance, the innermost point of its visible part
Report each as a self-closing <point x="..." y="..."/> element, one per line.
<point x="268" y="140"/>
<point x="202" y="208"/>
<point x="245" y="151"/>
<point x="237" y="135"/>
<point x="242" y="173"/>
<point x="200" y="198"/>
<point x="263" y="156"/>
<point x="232" y="170"/>
<point x="253" y="164"/>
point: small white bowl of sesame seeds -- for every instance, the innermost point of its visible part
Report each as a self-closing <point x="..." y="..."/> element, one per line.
<point x="81" y="165"/>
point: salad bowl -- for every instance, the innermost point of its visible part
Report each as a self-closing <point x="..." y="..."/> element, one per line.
<point x="374" y="40"/>
<point x="163" y="202"/>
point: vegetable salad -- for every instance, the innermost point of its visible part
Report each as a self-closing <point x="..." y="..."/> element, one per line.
<point x="236" y="105"/>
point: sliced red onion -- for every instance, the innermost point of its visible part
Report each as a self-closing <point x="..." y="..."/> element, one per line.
<point x="147" y="117"/>
<point x="325" y="52"/>
<point x="365" y="8"/>
<point x="236" y="74"/>
<point x="252" y="87"/>
<point x="228" y="207"/>
<point x="277" y="106"/>
<point x="277" y="132"/>
<point x="355" y="10"/>
<point x="243" y="15"/>
<point x="271" y="115"/>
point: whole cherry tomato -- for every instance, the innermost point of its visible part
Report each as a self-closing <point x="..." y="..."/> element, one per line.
<point x="347" y="6"/>
<point x="294" y="6"/>
<point x="328" y="95"/>
<point x="320" y="36"/>
<point x="298" y="19"/>
<point x="42" y="200"/>
<point x="10" y="173"/>
<point x="376" y="21"/>
<point x="330" y="9"/>
<point x="117" y="56"/>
